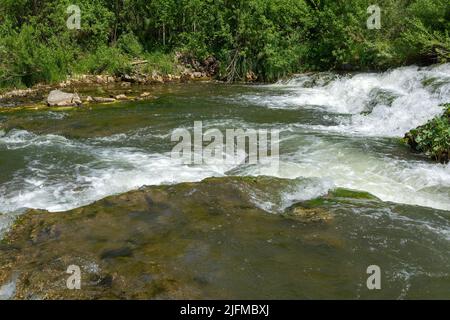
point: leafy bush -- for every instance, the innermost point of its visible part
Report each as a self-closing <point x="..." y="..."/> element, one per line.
<point x="433" y="138"/>
<point x="428" y="45"/>
<point x="129" y="44"/>
<point x="27" y="63"/>
<point x="160" y="62"/>
<point x="271" y="38"/>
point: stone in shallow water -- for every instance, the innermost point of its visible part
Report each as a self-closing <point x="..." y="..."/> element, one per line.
<point x="116" y="253"/>
<point x="63" y="99"/>
<point x="103" y="100"/>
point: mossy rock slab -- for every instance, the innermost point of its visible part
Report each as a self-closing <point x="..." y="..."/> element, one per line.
<point x="168" y="242"/>
<point x="339" y="195"/>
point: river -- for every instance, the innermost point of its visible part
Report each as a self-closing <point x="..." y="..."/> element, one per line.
<point x="337" y="131"/>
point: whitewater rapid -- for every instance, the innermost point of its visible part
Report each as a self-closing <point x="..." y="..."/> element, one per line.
<point x="364" y="111"/>
<point x="385" y="104"/>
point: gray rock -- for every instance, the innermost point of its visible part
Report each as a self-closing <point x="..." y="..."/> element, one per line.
<point x="63" y="99"/>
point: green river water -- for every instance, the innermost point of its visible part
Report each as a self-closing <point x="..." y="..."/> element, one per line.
<point x="335" y="132"/>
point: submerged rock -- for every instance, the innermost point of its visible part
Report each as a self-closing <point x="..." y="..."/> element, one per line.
<point x="121" y="97"/>
<point x="311" y="215"/>
<point x="315" y="210"/>
<point x="148" y="243"/>
<point x="63" y="99"/>
<point x="104" y="100"/>
<point x="214" y="240"/>
<point x="145" y="95"/>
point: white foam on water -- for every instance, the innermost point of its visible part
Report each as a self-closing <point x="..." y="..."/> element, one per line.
<point x="107" y="171"/>
<point x="82" y="173"/>
<point x="310" y="189"/>
<point x="380" y="104"/>
<point x="408" y="182"/>
<point x="298" y="190"/>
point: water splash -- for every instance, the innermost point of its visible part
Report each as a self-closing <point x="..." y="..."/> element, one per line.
<point x="376" y="104"/>
<point x="90" y="173"/>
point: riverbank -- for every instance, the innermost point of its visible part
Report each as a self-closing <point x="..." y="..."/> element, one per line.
<point x="103" y="88"/>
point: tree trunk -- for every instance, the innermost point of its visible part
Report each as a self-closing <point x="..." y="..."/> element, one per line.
<point x="164" y="34"/>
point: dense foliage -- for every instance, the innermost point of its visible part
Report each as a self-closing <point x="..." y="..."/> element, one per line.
<point x="433" y="138"/>
<point x="271" y="38"/>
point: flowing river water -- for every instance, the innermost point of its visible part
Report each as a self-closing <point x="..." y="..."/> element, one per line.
<point x="336" y="131"/>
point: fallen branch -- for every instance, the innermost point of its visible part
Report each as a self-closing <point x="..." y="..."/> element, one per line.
<point x="135" y="63"/>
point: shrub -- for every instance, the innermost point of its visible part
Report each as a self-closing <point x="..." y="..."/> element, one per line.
<point x="104" y="60"/>
<point x="161" y="62"/>
<point x="271" y="38"/>
<point x="129" y="44"/>
<point x="433" y="138"/>
<point x="25" y="62"/>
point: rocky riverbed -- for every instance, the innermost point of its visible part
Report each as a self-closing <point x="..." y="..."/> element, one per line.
<point x="147" y="243"/>
<point x="205" y="240"/>
<point x="102" y="88"/>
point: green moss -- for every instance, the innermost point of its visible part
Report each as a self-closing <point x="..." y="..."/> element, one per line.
<point x="318" y="202"/>
<point x="339" y="195"/>
<point x="352" y="194"/>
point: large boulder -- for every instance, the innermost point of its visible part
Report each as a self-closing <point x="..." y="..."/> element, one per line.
<point x="63" y="99"/>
